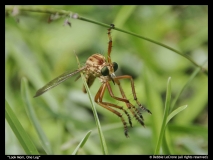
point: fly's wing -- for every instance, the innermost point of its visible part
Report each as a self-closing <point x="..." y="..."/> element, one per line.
<point x="57" y="81"/>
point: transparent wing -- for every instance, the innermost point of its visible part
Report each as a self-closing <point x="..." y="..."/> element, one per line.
<point x="57" y="81"/>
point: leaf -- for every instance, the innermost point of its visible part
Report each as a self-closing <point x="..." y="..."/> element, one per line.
<point x="176" y="111"/>
<point x="81" y="144"/>
<point x="166" y="110"/>
<point x="19" y="131"/>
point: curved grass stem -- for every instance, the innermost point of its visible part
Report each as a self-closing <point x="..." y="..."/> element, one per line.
<point x="76" y="16"/>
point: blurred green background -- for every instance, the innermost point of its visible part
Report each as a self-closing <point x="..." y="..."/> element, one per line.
<point x="41" y="51"/>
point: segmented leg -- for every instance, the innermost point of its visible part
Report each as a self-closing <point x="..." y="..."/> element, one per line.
<point x="98" y="100"/>
<point x="124" y="99"/>
<point x="114" y="105"/>
<point x="124" y="96"/>
<point x="133" y="91"/>
<point x="109" y="45"/>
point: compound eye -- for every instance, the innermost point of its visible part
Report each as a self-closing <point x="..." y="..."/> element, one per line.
<point x="115" y="66"/>
<point x="105" y="71"/>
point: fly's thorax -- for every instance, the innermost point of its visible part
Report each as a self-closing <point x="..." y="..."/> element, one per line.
<point x="96" y="59"/>
<point x="94" y="64"/>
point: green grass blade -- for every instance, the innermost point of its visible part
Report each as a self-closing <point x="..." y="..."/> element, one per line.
<point x="32" y="116"/>
<point x="103" y="143"/>
<point x="102" y="139"/>
<point x="165" y="145"/>
<point x="95" y="132"/>
<point x="166" y="139"/>
<point x="81" y="144"/>
<point x="166" y="119"/>
<point x="176" y="111"/>
<point x="166" y="111"/>
<point x="19" y="131"/>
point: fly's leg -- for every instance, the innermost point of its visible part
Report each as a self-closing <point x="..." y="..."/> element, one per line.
<point x="98" y="100"/>
<point x="133" y="91"/>
<point x="124" y="99"/>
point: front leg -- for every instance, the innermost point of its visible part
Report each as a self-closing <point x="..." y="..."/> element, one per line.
<point x="124" y="99"/>
<point x="98" y="100"/>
